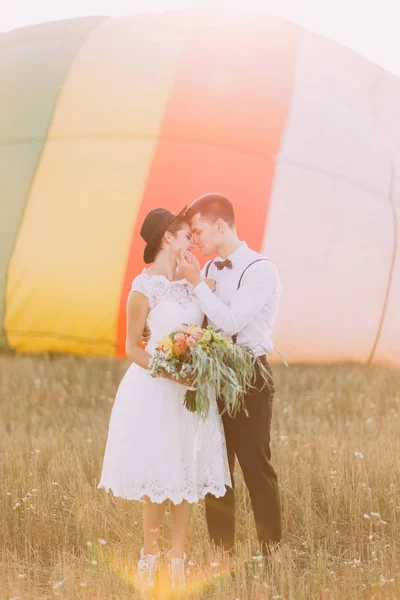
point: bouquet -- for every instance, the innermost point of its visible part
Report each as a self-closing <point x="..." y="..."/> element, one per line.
<point x="205" y="361"/>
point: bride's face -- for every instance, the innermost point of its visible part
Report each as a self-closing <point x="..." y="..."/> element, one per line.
<point x="182" y="240"/>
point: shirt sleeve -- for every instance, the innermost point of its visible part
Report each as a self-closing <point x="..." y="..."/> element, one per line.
<point x="259" y="284"/>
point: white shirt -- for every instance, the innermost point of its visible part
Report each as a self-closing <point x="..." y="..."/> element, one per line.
<point x="249" y="311"/>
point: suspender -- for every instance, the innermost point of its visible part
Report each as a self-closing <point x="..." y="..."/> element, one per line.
<point x="205" y="322"/>
<point x="252" y="263"/>
<point x="234" y="337"/>
<point x="208" y="267"/>
<point x="241" y="277"/>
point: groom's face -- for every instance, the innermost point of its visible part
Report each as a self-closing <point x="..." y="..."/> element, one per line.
<point x="206" y="235"/>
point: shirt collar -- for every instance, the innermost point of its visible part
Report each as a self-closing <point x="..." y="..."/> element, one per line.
<point x="236" y="254"/>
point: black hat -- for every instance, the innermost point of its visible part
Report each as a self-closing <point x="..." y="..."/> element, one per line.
<point x="154" y="226"/>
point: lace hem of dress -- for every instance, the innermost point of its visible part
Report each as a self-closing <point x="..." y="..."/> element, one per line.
<point x="138" y="492"/>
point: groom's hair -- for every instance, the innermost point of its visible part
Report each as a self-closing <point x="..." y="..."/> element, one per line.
<point x="213" y="207"/>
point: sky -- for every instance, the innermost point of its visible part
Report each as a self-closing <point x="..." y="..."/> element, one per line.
<point x="367" y="26"/>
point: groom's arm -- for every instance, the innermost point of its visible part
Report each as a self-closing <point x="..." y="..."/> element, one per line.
<point x="259" y="284"/>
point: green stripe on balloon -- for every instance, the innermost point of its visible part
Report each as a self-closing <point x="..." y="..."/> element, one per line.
<point x="33" y="63"/>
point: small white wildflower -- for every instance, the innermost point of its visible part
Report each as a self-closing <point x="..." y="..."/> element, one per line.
<point x="214" y="565"/>
<point x="375" y="514"/>
<point x="135" y="523"/>
<point x="359" y="455"/>
<point x="34" y="490"/>
<point x="89" y="441"/>
<point x="366" y="516"/>
<point x="154" y="530"/>
<point x="102" y="542"/>
<point x="54" y="483"/>
<point x="89" y="544"/>
<point x="16" y="505"/>
<point x="21" y="576"/>
<point x="257" y="558"/>
<point x="83" y="584"/>
<point x="190" y="563"/>
<point x="370" y="537"/>
<point x="369" y="421"/>
<point x="59" y="584"/>
<point x="94" y="562"/>
<point x="9" y="493"/>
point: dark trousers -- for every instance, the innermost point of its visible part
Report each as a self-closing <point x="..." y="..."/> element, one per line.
<point x="248" y="438"/>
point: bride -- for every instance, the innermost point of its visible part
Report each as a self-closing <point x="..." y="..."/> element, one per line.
<point x="156" y="449"/>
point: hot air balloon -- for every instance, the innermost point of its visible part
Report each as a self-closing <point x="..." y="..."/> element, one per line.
<point x="107" y="118"/>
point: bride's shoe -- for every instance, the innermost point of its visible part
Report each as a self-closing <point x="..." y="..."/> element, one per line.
<point x="147" y="568"/>
<point x="177" y="571"/>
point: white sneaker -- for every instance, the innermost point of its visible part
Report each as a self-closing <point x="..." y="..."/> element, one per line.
<point x="147" y="568"/>
<point x="177" y="571"/>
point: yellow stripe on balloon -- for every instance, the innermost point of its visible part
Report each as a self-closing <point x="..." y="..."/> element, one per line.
<point x="68" y="265"/>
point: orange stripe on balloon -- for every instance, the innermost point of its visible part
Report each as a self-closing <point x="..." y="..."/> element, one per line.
<point x="223" y="126"/>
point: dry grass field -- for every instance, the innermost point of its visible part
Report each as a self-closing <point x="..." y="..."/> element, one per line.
<point x="336" y="447"/>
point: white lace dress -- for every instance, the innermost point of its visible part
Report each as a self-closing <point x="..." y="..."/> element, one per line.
<point x="155" y="446"/>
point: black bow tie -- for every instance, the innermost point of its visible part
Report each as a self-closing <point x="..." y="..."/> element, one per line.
<point x="220" y="264"/>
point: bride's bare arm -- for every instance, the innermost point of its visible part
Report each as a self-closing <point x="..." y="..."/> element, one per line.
<point x="137" y="308"/>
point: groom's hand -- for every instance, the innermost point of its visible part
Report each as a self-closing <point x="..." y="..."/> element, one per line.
<point x="146" y="335"/>
<point x="189" y="270"/>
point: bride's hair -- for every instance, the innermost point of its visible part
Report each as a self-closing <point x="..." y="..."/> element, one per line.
<point x="173" y="228"/>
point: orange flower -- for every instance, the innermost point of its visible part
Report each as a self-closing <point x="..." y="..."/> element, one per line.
<point x="180" y="347"/>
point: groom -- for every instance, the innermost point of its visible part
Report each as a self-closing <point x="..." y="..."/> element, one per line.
<point x="244" y="304"/>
